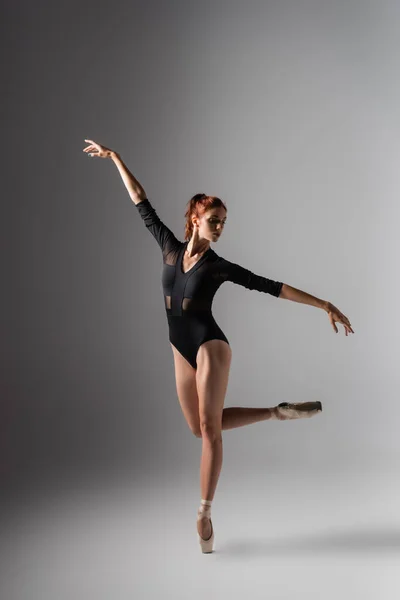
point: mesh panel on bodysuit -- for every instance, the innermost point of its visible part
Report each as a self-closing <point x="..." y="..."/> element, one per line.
<point x="170" y="256"/>
<point x="192" y="304"/>
<point x="189" y="304"/>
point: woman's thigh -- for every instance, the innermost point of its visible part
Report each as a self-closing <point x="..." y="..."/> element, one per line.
<point x="186" y="387"/>
<point x="213" y="365"/>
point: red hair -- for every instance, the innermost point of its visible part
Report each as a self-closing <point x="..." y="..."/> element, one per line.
<point x="197" y="206"/>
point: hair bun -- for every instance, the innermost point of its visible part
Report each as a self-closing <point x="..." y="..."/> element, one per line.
<point x="198" y="197"/>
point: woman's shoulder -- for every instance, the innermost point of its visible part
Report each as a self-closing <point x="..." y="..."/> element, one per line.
<point x="218" y="259"/>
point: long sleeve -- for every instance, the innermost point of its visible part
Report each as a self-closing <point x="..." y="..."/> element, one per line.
<point x="164" y="236"/>
<point x="232" y="272"/>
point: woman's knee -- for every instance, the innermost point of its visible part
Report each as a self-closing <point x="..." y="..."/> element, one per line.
<point x="210" y="429"/>
<point x="197" y="432"/>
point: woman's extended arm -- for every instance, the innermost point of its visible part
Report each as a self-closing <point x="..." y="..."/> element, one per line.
<point x="135" y="190"/>
<point x="164" y="236"/>
<point x="290" y="293"/>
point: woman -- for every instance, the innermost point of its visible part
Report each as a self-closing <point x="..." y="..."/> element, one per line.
<point x="192" y="273"/>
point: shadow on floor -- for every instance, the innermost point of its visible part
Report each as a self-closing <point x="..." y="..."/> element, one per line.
<point x="358" y="542"/>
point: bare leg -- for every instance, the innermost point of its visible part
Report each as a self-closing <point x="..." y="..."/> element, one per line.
<point x="213" y="364"/>
<point x="210" y="464"/>
<point x="237" y="416"/>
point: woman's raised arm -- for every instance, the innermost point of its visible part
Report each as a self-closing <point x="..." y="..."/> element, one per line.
<point x="167" y="241"/>
<point x="135" y="190"/>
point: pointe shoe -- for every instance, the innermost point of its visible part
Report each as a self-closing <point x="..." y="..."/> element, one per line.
<point x="206" y="545"/>
<point x="299" y="410"/>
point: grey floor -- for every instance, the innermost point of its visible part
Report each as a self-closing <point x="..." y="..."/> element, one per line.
<point x="277" y="535"/>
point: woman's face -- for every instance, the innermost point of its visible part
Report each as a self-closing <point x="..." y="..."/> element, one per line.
<point x="212" y="223"/>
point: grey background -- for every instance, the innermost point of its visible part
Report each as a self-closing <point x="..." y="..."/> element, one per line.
<point x="289" y="112"/>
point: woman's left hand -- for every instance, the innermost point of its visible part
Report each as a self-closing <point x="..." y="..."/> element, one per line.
<point x="335" y="315"/>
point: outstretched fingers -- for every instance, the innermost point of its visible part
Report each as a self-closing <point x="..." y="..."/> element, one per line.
<point x="344" y="321"/>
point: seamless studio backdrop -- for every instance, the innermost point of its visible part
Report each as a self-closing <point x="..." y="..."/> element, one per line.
<point x="288" y="111"/>
<point x="288" y="114"/>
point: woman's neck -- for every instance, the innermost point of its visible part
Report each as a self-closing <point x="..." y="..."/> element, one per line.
<point x="197" y="247"/>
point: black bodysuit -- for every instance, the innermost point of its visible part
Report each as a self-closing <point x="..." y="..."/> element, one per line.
<point x="188" y="296"/>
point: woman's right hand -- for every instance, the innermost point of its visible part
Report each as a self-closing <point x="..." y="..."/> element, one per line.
<point x="95" y="149"/>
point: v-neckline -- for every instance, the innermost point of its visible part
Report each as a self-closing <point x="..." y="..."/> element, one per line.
<point x="195" y="264"/>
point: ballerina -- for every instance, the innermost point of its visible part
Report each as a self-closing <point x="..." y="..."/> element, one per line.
<point x="192" y="273"/>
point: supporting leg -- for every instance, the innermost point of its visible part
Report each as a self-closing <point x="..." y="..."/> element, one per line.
<point x="213" y="362"/>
